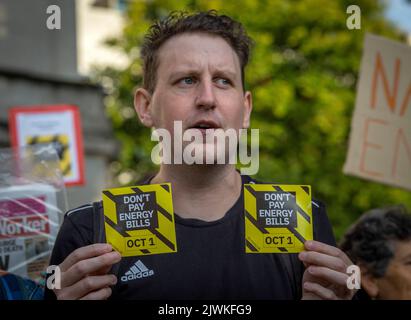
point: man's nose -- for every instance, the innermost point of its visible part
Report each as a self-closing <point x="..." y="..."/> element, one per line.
<point x="206" y="95"/>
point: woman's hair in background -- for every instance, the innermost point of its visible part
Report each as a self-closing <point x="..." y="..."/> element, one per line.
<point x="371" y="240"/>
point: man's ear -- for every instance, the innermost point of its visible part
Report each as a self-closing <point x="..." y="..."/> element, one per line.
<point x="248" y="107"/>
<point x="142" y="105"/>
<point x="369" y="283"/>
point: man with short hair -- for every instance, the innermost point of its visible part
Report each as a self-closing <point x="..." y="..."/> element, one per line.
<point x="193" y="67"/>
<point x="380" y="244"/>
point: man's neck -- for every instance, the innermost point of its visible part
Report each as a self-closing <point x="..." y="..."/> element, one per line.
<point x="201" y="192"/>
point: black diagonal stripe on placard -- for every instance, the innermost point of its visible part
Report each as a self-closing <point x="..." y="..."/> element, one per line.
<point x="282" y="249"/>
<point x="255" y="222"/>
<point x="297" y="235"/>
<point x="137" y="190"/>
<point x="110" y="196"/>
<point x="252" y="191"/>
<point x="165" y="187"/>
<point x="33" y="140"/>
<point x="64" y="144"/>
<point x="250" y="246"/>
<point x="160" y="236"/>
<point x="116" y="227"/>
<point x="164" y="212"/>
<point x="67" y="169"/>
<point x="306" y="189"/>
<point x="299" y="209"/>
<point x="64" y="150"/>
<point x="145" y="251"/>
<point x="304" y="214"/>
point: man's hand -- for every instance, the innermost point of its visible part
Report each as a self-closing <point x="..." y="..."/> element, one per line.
<point x="84" y="273"/>
<point x="325" y="276"/>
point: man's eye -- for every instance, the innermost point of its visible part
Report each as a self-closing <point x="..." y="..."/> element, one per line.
<point x="186" y="80"/>
<point x="224" y="82"/>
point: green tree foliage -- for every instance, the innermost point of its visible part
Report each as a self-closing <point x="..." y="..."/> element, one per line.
<point x="302" y="74"/>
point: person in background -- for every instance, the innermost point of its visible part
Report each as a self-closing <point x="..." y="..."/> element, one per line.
<point x="13" y="287"/>
<point x="380" y="244"/>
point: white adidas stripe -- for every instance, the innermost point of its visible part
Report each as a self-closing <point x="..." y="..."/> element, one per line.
<point x="78" y="209"/>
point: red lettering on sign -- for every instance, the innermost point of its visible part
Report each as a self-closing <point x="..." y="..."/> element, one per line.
<point x="24" y="226"/>
<point x="400" y="138"/>
<point x="366" y="144"/>
<point x="390" y="95"/>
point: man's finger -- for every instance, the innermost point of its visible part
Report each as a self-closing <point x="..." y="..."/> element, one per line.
<point x="102" y="271"/>
<point x="90" y="266"/>
<point x="85" y="286"/>
<point x="310" y="296"/>
<point x="83" y="253"/>
<point x="329" y="275"/>
<point x="320" y="291"/>
<point x="323" y="260"/>
<point x="101" y="294"/>
<point x="312" y="245"/>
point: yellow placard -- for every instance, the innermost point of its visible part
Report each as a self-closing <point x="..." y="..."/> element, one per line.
<point x="278" y="218"/>
<point x="61" y="144"/>
<point x="139" y="220"/>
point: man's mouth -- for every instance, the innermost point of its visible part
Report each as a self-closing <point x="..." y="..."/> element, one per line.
<point x="205" y="124"/>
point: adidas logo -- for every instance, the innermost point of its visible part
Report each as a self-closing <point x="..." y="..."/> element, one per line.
<point x="137" y="271"/>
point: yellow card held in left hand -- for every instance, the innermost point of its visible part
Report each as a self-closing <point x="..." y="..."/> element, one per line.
<point x="139" y="220"/>
<point x="278" y="218"/>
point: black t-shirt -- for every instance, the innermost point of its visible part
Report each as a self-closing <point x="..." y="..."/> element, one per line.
<point x="211" y="262"/>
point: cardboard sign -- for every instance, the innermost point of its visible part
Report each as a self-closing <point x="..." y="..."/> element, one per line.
<point x="380" y="141"/>
<point x="139" y="220"/>
<point x="29" y="222"/>
<point x="278" y="218"/>
<point x="57" y="125"/>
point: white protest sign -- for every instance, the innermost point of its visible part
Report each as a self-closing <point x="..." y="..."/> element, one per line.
<point x="380" y="141"/>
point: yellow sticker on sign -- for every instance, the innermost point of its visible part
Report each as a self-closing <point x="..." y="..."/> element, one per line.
<point x="61" y="143"/>
<point x="278" y="218"/>
<point x="139" y="220"/>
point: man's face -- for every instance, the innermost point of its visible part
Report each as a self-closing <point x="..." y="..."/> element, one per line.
<point x="199" y="83"/>
<point x="396" y="283"/>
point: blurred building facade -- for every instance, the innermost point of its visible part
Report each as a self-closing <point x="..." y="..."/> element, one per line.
<point x="39" y="66"/>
